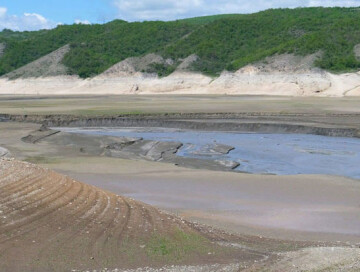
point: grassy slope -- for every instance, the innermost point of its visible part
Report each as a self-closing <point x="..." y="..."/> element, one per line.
<point x="222" y="41"/>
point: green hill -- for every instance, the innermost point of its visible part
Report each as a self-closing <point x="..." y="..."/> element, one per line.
<point x="221" y="41"/>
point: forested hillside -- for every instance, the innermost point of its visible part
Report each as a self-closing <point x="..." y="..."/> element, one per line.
<point x="222" y="42"/>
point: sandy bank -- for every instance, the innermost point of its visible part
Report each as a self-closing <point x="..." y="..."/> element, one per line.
<point x="51" y="218"/>
<point x="239" y="83"/>
<point x="281" y="75"/>
<point x="295" y="207"/>
<point x="289" y="207"/>
<point x="338" y="125"/>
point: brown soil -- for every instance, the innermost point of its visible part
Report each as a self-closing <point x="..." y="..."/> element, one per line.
<point x="50" y="222"/>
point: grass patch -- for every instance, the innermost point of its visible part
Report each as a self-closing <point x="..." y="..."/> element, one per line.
<point x="176" y="247"/>
<point x="41" y="160"/>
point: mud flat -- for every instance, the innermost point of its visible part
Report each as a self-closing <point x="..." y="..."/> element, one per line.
<point x="281" y="154"/>
<point x="307" y="207"/>
<point x="47" y="218"/>
<point x="127" y="148"/>
<point x="254" y="153"/>
<point x="105" y="105"/>
<point x="52" y="222"/>
<point x="301" y="207"/>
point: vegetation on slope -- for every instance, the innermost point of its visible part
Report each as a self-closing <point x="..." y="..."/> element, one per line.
<point x="221" y="41"/>
<point x="120" y="41"/>
<point x="231" y="43"/>
<point x="23" y="48"/>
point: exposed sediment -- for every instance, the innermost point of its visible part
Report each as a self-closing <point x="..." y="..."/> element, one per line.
<point x="50" y="222"/>
<point x="42" y="133"/>
<point x="47" y="66"/>
<point x="137" y="148"/>
<point x="127" y="148"/>
<point x="248" y="122"/>
<point x="215" y="149"/>
<point x="283" y="75"/>
<point x="151" y="150"/>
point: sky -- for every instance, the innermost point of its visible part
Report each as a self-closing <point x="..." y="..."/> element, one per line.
<point x="45" y="14"/>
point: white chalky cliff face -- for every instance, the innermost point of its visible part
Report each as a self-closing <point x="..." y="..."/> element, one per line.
<point x="286" y="75"/>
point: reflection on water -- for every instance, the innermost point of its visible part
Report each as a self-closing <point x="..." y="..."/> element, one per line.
<point x="281" y="154"/>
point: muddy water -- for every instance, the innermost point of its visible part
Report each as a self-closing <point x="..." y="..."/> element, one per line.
<point x="280" y="154"/>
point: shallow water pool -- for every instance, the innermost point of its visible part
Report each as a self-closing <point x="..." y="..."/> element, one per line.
<point x="280" y="154"/>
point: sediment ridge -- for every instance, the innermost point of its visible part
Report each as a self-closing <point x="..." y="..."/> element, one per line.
<point x="326" y="124"/>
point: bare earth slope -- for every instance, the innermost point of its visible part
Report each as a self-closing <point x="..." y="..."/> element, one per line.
<point x="135" y="65"/>
<point x="277" y="75"/>
<point x="49" y="65"/>
<point x="2" y="48"/>
<point x="49" y="222"/>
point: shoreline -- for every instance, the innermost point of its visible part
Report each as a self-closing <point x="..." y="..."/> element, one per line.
<point x="27" y="115"/>
<point x="225" y="122"/>
<point x="233" y="201"/>
<point x="213" y="150"/>
<point x="249" y="80"/>
<point x="191" y="189"/>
